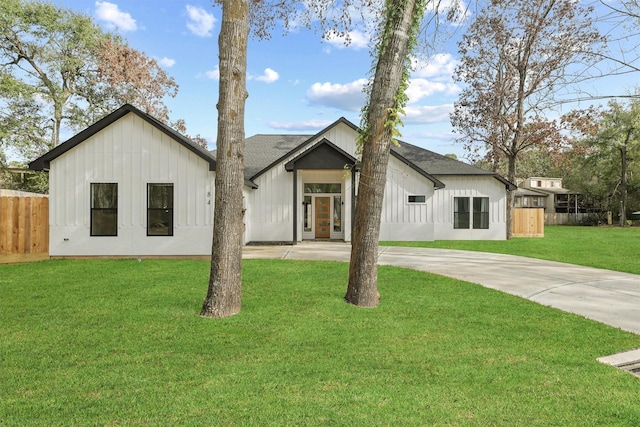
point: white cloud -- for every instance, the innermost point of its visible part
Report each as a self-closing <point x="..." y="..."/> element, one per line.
<point x="432" y="76"/>
<point x="114" y="17"/>
<point x="305" y="126"/>
<point x="427" y="114"/>
<point x="421" y="88"/>
<point x="213" y="74"/>
<point x="269" y="76"/>
<point x="438" y="65"/>
<point x="200" y="21"/>
<point x="347" y="97"/>
<point x="166" y="62"/>
<point x="353" y="39"/>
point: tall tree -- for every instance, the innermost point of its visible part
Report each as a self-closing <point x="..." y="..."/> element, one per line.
<point x="57" y="67"/>
<point x="618" y="140"/>
<point x="381" y="116"/>
<point x="515" y="59"/>
<point x="225" y="279"/>
<point x="239" y="19"/>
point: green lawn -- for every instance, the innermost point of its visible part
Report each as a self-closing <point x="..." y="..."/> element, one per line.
<point x="120" y="343"/>
<point x="612" y="248"/>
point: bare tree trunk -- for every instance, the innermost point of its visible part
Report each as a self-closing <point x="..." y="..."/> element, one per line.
<point x="623" y="184"/>
<point x="225" y="280"/>
<point x="511" y="195"/>
<point x="362" y="289"/>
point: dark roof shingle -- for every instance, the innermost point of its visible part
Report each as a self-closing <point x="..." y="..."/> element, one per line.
<point x="434" y="163"/>
<point x="262" y="151"/>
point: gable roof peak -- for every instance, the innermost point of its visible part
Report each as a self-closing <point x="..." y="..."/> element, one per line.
<point x="42" y="163"/>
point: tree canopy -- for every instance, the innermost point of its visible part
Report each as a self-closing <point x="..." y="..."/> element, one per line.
<point x="58" y="68"/>
<point x="515" y="59"/>
<point x="605" y="158"/>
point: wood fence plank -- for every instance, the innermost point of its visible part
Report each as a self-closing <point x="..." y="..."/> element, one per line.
<point x="44" y="215"/>
<point x="41" y="225"/>
<point x="15" y="224"/>
<point x="4" y="225"/>
<point x="20" y="221"/>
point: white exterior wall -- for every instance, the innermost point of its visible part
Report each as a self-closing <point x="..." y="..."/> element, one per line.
<point x="271" y="207"/>
<point x="401" y="220"/>
<point x="475" y="186"/>
<point x="131" y="153"/>
<point x="246" y="205"/>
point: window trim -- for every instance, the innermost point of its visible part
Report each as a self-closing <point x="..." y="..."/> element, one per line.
<point x="93" y="209"/>
<point x="166" y="209"/>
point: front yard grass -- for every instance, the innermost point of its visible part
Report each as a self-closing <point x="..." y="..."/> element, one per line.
<point x="121" y="343"/>
<point x="611" y="248"/>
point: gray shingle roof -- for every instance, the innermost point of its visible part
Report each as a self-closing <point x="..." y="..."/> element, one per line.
<point x="530" y="192"/>
<point x="434" y="163"/>
<point x="262" y="151"/>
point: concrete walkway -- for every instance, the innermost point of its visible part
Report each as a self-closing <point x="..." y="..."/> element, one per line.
<point x="605" y="296"/>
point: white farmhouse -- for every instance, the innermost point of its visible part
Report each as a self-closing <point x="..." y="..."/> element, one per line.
<point x="130" y="186"/>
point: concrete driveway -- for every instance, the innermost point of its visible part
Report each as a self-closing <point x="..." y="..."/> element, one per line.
<point x="605" y="296"/>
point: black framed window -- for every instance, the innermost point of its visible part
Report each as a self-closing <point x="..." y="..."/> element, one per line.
<point x="419" y="198"/>
<point x="322" y="188"/>
<point x="159" y="209"/>
<point x="463" y="217"/>
<point x="461" y="213"/>
<point x="481" y="212"/>
<point x="104" y="209"/>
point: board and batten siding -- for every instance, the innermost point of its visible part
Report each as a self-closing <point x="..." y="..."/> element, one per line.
<point x="271" y="207"/>
<point x="342" y="136"/>
<point x="473" y="186"/>
<point x="132" y="153"/>
<point x="401" y="220"/>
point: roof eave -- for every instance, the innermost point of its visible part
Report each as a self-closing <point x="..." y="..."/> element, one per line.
<point x="437" y="184"/>
<point x="508" y="184"/>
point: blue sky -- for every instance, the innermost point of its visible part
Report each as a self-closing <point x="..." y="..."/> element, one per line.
<point x="297" y="83"/>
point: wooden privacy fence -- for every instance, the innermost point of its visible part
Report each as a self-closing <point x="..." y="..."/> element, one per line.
<point x="24" y="228"/>
<point x="528" y="222"/>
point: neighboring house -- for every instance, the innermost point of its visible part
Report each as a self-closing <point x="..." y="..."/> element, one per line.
<point x="529" y="199"/>
<point x="129" y="185"/>
<point x="562" y="206"/>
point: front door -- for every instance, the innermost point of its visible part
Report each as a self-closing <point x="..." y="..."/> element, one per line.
<point x="323" y="217"/>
